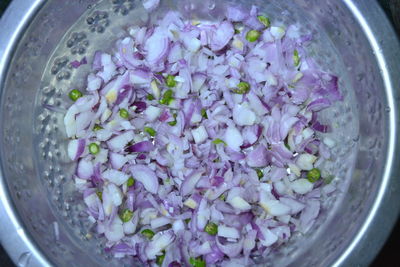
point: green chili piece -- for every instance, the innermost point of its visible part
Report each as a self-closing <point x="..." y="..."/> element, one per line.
<point x="260" y="173"/>
<point x="130" y="182"/>
<point x="313" y="175"/>
<point x="218" y="141"/>
<point x="198" y="262"/>
<point x="242" y="88"/>
<point x="211" y="228"/>
<point x="170" y="81"/>
<point x="123" y="113"/>
<point x="150" y="131"/>
<point x="148" y="233"/>
<point x="264" y="20"/>
<point x="252" y="35"/>
<point x="126" y="215"/>
<point x="94" y="148"/>
<point x="75" y="94"/>
<point x="203" y="113"/>
<point x="296" y="57"/>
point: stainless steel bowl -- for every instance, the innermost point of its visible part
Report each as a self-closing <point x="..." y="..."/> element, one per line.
<point x="41" y="223"/>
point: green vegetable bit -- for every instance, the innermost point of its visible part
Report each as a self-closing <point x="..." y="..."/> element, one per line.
<point x="167" y="97"/>
<point x="260" y="173"/>
<point x="187" y="220"/>
<point x="313" y="175"/>
<point x="296" y="58"/>
<point x="130" y="182"/>
<point x="160" y="259"/>
<point x="123" y="113"/>
<point x="100" y="195"/>
<point x="148" y="233"/>
<point x="211" y="228"/>
<point x="287" y="146"/>
<point x="265" y="21"/>
<point x="242" y="88"/>
<point x="222" y="197"/>
<point x="75" y="94"/>
<point x="173" y="123"/>
<point x="150" y="97"/>
<point x="150" y="131"/>
<point x="203" y="113"/>
<point x="199" y="262"/>
<point x="97" y="127"/>
<point x="94" y="148"/>
<point x="170" y="81"/>
<point x="218" y="141"/>
<point x="252" y="35"/>
<point x="126" y="215"/>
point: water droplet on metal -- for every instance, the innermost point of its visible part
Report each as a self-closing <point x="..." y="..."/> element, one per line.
<point x="89" y="7"/>
<point x="387" y="109"/>
<point x="24" y="259"/>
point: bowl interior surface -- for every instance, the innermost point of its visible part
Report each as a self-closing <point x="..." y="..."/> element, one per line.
<point x="33" y="151"/>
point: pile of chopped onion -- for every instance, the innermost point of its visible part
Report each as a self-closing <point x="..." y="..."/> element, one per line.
<point x="198" y="143"/>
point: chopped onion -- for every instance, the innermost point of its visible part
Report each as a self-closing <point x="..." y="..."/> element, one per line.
<point x="206" y="133"/>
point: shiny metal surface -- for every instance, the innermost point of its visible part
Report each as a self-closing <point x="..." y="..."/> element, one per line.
<point x="353" y="39"/>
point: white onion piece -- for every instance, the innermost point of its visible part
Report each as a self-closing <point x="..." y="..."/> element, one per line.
<point x="243" y="115"/>
<point x="94" y="82"/>
<point x="269" y="237"/>
<point x="76" y="148"/>
<point x="233" y="138"/>
<point x="146" y="176"/>
<point x="302" y="186"/>
<point x="159" y="242"/>
<point x="119" y="142"/>
<point x="157" y="46"/>
<point x="116" y="177"/>
<point x="228" y="232"/>
<point x="199" y="134"/>
<point x="190" y="182"/>
<point x="85" y="169"/>
<point x="115" y="230"/>
<point x="152" y="113"/>
<point x="306" y="161"/>
<point x="158" y="222"/>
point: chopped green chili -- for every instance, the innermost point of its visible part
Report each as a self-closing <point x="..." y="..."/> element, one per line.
<point x="252" y="35"/>
<point x="94" y="148"/>
<point x="260" y="173"/>
<point x="264" y="20"/>
<point x="203" y="113"/>
<point x="198" y="262"/>
<point x="97" y="127"/>
<point x="75" y="94"/>
<point x="167" y="97"/>
<point x="150" y="97"/>
<point x="130" y="182"/>
<point x="170" y="81"/>
<point x="218" y="141"/>
<point x="313" y="175"/>
<point x="148" y="233"/>
<point x="242" y="88"/>
<point x="126" y="215"/>
<point x="123" y="113"/>
<point x="296" y="57"/>
<point x="160" y="259"/>
<point x="211" y="228"/>
<point x="150" y="131"/>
